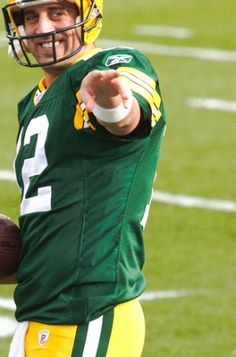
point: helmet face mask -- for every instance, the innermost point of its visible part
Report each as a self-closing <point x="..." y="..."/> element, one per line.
<point x="88" y="25"/>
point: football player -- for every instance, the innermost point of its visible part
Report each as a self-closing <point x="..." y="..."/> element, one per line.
<point x="88" y="146"/>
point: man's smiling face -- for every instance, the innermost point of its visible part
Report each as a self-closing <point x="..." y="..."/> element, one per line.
<point x="43" y="20"/>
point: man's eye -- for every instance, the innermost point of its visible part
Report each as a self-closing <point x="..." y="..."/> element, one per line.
<point x="57" y="13"/>
<point x="30" y="17"/>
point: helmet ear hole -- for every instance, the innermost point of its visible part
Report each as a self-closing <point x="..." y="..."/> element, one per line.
<point x="18" y="17"/>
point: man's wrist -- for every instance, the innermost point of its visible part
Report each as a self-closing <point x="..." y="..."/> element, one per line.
<point x="113" y="115"/>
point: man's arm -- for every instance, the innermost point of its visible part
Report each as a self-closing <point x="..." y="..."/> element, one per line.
<point x="109" y="97"/>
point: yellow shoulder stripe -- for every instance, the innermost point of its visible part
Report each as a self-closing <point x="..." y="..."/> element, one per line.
<point x="145" y="86"/>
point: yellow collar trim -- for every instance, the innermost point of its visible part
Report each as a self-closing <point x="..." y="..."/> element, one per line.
<point x="88" y="54"/>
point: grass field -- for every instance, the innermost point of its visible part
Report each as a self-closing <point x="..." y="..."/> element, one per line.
<point x="190" y="250"/>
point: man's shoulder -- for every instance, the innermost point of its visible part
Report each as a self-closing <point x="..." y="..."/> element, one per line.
<point x="109" y="58"/>
<point x="115" y="57"/>
<point x="105" y="59"/>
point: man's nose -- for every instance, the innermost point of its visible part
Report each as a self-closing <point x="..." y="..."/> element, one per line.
<point x="44" y="24"/>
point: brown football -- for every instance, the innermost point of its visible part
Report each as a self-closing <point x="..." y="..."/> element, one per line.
<point x="10" y="246"/>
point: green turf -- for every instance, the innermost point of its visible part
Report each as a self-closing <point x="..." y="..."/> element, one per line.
<point x="187" y="249"/>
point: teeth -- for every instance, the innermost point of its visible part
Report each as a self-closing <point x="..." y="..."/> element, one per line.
<point x="49" y="44"/>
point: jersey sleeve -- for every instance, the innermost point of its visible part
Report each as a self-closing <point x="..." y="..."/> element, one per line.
<point x="138" y="71"/>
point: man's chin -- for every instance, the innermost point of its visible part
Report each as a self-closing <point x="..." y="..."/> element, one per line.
<point x="53" y="64"/>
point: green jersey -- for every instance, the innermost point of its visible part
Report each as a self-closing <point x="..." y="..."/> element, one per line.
<point x="85" y="194"/>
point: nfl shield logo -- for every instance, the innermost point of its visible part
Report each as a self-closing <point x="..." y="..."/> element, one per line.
<point x="43" y="337"/>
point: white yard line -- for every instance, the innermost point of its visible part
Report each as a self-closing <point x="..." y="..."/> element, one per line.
<point x="171" y="294"/>
<point x="163" y="31"/>
<point x="9" y="326"/>
<point x="7" y="176"/>
<point x="166" y="197"/>
<point x="6" y="303"/>
<point x="213" y="104"/>
<point x="207" y="54"/>
<point x="197" y="202"/>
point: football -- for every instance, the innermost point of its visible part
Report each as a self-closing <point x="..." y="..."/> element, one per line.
<point x="10" y="246"/>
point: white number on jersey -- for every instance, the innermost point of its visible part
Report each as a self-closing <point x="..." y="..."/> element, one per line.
<point x="35" y="166"/>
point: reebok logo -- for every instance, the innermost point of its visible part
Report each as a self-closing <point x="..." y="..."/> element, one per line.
<point x="115" y="59"/>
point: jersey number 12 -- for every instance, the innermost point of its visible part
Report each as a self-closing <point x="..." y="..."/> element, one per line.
<point x="34" y="166"/>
